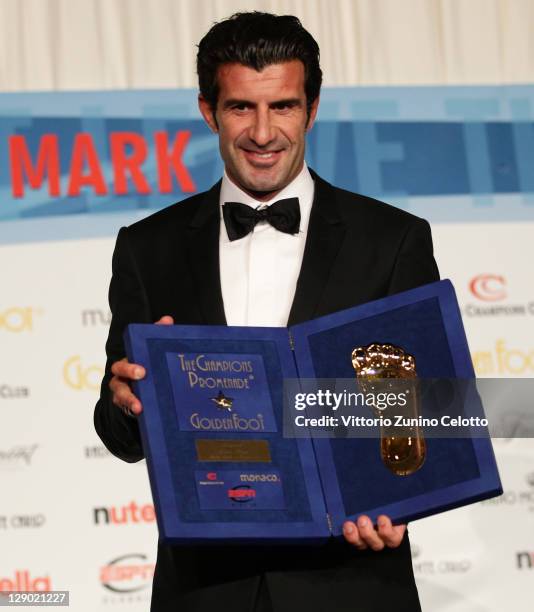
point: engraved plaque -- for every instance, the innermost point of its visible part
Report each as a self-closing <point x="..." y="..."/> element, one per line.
<point x="233" y="450"/>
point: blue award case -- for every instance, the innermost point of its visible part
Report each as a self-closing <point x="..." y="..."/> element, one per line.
<point x="212" y="425"/>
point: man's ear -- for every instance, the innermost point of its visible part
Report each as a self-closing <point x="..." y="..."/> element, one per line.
<point x="206" y="111"/>
<point x="313" y="113"/>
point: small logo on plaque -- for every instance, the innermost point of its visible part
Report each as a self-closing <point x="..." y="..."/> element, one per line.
<point x="242" y="494"/>
<point x="222" y="402"/>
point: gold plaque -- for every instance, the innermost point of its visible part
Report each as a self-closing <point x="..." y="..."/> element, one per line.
<point x="233" y="450"/>
<point x="402" y="448"/>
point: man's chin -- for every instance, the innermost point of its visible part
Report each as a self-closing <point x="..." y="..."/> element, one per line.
<point x="262" y="185"/>
<point x="260" y="181"/>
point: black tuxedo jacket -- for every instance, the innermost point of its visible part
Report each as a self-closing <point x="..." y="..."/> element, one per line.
<point x="357" y="250"/>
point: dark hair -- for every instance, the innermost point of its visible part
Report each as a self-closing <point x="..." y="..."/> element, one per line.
<point x="257" y="40"/>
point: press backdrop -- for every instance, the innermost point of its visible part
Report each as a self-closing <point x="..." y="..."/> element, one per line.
<point x="443" y="127"/>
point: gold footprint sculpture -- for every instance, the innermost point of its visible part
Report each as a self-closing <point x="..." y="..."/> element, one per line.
<point x="384" y="367"/>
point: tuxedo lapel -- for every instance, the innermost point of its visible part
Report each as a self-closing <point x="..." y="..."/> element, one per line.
<point x="203" y="254"/>
<point x="326" y="231"/>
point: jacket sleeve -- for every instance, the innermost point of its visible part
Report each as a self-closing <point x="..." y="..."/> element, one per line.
<point x="414" y="264"/>
<point x="129" y="304"/>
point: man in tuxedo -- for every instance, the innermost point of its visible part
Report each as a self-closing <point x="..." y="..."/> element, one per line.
<point x="271" y="244"/>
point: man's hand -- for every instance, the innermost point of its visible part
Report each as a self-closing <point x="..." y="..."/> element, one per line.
<point x="123" y="372"/>
<point x="363" y="534"/>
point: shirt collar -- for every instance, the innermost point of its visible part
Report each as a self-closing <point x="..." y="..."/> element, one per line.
<point x="301" y="187"/>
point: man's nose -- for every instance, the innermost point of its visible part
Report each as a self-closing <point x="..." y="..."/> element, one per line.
<point x="262" y="130"/>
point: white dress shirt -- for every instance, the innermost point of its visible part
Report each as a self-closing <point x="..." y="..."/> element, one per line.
<point x="259" y="272"/>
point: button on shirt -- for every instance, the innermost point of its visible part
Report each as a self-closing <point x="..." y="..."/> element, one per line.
<point x="259" y="272"/>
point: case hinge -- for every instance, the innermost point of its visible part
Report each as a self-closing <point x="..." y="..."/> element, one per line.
<point x="329" y="521"/>
<point x="291" y="341"/>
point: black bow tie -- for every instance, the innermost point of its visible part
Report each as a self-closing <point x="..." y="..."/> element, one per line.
<point x="240" y="219"/>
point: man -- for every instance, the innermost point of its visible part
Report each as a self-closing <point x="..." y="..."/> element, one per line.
<point x="206" y="262"/>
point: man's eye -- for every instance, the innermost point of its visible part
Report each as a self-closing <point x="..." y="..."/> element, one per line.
<point x="240" y="107"/>
<point x="284" y="106"/>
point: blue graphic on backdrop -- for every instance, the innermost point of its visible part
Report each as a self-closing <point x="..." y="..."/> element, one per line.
<point x="446" y="153"/>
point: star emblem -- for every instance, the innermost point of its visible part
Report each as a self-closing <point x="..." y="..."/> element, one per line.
<point x="223" y="402"/>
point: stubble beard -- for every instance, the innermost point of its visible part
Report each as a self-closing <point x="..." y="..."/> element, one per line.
<point x="261" y="187"/>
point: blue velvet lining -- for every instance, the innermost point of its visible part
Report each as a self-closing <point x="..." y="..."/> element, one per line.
<point x="363" y="479"/>
<point x="181" y="445"/>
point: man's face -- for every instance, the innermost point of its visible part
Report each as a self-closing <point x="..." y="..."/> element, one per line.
<point x="261" y="120"/>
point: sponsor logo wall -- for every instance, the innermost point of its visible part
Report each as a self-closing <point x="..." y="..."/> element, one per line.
<point x="127" y="579"/>
<point x="75" y="167"/>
